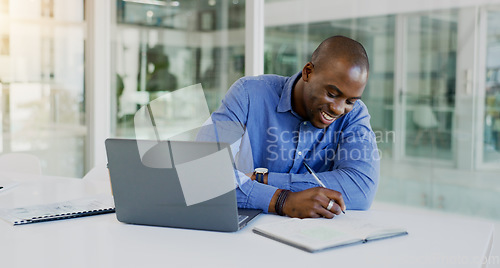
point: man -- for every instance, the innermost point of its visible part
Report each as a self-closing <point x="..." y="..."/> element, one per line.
<point x="317" y="117"/>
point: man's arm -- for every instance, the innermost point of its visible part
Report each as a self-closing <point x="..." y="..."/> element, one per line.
<point x="251" y="194"/>
<point x="354" y="171"/>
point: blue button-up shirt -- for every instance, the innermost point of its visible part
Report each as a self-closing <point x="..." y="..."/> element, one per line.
<point x="344" y="155"/>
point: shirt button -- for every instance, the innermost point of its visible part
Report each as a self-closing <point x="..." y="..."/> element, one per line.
<point x="305" y="123"/>
<point x="300" y="153"/>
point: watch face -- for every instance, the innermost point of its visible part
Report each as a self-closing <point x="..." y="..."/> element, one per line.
<point x="261" y="170"/>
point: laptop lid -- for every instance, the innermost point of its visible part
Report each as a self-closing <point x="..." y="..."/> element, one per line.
<point x="174" y="184"/>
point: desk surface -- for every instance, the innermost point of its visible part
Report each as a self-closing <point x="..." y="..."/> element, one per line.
<point x="434" y="240"/>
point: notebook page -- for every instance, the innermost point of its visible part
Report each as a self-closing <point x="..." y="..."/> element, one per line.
<point x="311" y="234"/>
<point x="363" y="228"/>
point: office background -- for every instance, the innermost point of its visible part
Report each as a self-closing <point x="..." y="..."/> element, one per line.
<point x="74" y="72"/>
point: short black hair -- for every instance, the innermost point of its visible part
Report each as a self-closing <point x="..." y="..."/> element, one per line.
<point x="339" y="46"/>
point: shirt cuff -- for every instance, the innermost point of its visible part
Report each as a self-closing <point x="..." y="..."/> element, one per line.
<point x="279" y="180"/>
<point x="259" y="195"/>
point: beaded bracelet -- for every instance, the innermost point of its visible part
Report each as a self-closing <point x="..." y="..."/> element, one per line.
<point x="281" y="202"/>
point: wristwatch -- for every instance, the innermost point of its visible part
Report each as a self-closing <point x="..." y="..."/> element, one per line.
<point x="259" y="174"/>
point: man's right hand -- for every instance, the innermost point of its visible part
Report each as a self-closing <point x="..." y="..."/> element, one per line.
<point x="312" y="203"/>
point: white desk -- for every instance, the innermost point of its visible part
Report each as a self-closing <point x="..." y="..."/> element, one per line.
<point x="435" y="239"/>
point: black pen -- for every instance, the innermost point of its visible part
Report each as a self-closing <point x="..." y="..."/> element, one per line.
<point x="316" y="177"/>
<point x="1" y="187"/>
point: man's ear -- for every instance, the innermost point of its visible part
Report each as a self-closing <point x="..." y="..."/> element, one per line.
<point x="307" y="71"/>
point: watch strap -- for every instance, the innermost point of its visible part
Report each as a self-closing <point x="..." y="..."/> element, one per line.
<point x="259" y="177"/>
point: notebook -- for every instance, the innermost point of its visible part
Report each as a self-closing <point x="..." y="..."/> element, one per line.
<point x="175" y="184"/>
<point x="313" y="235"/>
<point x="94" y="205"/>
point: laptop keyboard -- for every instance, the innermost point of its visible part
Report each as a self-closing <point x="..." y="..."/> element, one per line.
<point x="242" y="218"/>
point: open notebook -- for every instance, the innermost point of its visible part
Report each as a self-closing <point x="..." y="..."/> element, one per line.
<point x="317" y="234"/>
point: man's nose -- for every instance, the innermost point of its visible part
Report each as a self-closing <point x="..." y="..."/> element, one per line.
<point x="337" y="107"/>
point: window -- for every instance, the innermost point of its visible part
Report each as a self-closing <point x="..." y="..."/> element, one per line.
<point x="421" y="93"/>
<point x="164" y="46"/>
<point x="42" y="82"/>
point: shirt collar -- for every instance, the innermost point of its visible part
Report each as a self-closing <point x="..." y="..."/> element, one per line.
<point x="285" y="103"/>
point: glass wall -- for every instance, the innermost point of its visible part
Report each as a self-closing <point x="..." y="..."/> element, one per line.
<point x="162" y="46"/>
<point x="42" y="82"/>
<point x="491" y="148"/>
<point x="421" y="112"/>
<point x="428" y="95"/>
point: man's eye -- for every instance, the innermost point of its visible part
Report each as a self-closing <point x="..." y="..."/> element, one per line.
<point x="350" y="102"/>
<point x="330" y="95"/>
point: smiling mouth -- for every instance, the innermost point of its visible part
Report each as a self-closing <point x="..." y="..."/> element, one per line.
<point x="327" y="116"/>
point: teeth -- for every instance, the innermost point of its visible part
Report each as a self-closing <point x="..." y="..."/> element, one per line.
<point x="327" y="117"/>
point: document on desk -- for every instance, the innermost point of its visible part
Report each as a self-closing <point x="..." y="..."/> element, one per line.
<point x="318" y="234"/>
<point x="94" y="205"/>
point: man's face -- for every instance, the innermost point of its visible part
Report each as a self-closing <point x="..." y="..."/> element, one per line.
<point x="331" y="91"/>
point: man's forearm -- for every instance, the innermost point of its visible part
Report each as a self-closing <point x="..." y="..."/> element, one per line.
<point x="357" y="188"/>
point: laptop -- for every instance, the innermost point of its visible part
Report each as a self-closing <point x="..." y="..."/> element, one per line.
<point x="180" y="184"/>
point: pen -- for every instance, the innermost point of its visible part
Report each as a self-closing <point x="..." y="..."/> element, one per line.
<point x="1" y="187"/>
<point x="314" y="174"/>
<point x="315" y="177"/>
